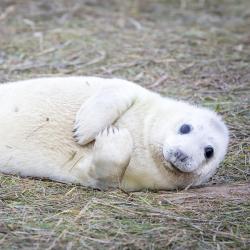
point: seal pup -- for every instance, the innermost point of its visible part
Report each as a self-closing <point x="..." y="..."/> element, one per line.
<point x="123" y="135"/>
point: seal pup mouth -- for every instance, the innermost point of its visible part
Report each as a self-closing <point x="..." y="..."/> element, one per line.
<point x="177" y="161"/>
<point x="172" y="167"/>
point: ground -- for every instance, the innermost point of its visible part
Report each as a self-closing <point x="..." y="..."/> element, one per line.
<point x="192" y="50"/>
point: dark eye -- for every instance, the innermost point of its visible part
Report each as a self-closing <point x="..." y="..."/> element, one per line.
<point x="209" y="152"/>
<point x="185" y="129"/>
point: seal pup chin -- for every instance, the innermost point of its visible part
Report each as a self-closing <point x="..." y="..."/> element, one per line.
<point x="106" y="133"/>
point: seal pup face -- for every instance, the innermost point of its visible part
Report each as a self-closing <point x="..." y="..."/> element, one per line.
<point x="197" y="139"/>
<point x="193" y="141"/>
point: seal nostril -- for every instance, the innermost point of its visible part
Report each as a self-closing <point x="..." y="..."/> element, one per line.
<point x="180" y="156"/>
<point x="177" y="154"/>
<point x="183" y="158"/>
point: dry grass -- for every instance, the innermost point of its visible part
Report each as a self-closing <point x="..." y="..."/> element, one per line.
<point x="193" y="50"/>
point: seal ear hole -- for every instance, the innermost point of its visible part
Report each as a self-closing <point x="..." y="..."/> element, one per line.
<point x="185" y="129"/>
<point x="209" y="152"/>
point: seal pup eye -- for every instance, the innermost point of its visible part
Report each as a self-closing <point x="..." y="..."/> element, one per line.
<point x="209" y="152"/>
<point x="185" y="129"/>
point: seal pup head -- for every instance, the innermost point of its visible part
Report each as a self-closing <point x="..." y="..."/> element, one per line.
<point x="193" y="141"/>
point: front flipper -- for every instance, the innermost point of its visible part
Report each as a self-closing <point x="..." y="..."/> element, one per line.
<point x="102" y="110"/>
<point x="111" y="155"/>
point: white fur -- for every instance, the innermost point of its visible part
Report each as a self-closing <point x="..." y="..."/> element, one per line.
<point x="37" y="117"/>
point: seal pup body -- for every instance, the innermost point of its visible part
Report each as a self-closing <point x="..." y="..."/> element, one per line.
<point x="123" y="135"/>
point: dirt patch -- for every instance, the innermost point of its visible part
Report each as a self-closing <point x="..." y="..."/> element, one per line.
<point x="235" y="193"/>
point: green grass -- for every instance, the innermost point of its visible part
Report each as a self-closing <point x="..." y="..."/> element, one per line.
<point x="192" y="50"/>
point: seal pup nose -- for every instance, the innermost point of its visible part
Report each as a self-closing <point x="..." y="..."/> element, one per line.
<point x="180" y="156"/>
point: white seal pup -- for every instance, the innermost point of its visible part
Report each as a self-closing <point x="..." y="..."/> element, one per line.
<point x="123" y="135"/>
